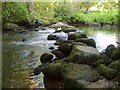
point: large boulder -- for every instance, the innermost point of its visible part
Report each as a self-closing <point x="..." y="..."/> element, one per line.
<point x="88" y="41"/>
<point x="109" y="50"/>
<point x="59" y="25"/>
<point x="52" y="70"/>
<point x="116" y="54"/>
<point x="78" y="75"/>
<point x="84" y="55"/>
<point x="57" y="36"/>
<point x="115" y="65"/>
<point x="76" y="35"/>
<point x="10" y="27"/>
<point x="106" y="72"/>
<point x="46" y="58"/>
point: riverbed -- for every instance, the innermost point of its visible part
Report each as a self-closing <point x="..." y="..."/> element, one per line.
<point x="20" y="58"/>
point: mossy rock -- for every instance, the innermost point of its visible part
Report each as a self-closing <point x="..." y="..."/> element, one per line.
<point x="84" y="55"/>
<point x="58" y="54"/>
<point x="97" y="63"/>
<point x="76" y="35"/>
<point x="67" y="30"/>
<point x="52" y="70"/>
<point x="46" y="58"/>
<point x="109" y="50"/>
<point x="88" y="41"/>
<point x="105" y="58"/>
<point x="78" y="75"/>
<point x="116" y="54"/>
<point x="79" y="43"/>
<point x="106" y="72"/>
<point x="10" y="27"/>
<point x="115" y="65"/>
<point x="65" y="48"/>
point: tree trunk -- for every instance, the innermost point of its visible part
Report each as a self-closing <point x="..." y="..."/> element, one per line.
<point x="31" y="5"/>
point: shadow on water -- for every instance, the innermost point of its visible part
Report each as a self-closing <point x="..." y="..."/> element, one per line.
<point x="20" y="58"/>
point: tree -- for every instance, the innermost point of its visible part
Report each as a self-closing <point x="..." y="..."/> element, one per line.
<point x="31" y="5"/>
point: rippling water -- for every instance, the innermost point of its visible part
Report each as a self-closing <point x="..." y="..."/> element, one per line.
<point x="20" y="58"/>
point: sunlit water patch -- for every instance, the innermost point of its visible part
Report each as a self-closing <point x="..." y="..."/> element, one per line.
<point x="102" y="36"/>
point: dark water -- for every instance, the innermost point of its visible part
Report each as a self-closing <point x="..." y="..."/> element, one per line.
<point x="20" y="58"/>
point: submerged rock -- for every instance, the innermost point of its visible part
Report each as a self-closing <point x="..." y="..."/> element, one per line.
<point x="88" y="41"/>
<point x="78" y="75"/>
<point x="76" y="35"/>
<point x="84" y="54"/>
<point x="106" y="72"/>
<point x="10" y="27"/>
<point x="46" y="58"/>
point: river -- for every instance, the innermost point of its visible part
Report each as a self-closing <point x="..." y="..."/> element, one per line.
<point x="20" y="58"/>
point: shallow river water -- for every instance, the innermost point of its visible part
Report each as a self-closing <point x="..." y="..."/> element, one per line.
<point x="20" y="58"/>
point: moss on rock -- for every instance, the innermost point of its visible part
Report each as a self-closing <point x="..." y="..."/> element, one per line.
<point x="106" y="72"/>
<point x="115" y="65"/>
<point x="10" y="27"/>
<point x="78" y="75"/>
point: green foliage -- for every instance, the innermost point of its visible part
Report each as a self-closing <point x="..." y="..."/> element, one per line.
<point x="65" y="12"/>
<point x="16" y="12"/>
<point x="62" y="11"/>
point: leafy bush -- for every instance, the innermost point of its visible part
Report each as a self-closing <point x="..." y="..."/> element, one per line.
<point x="16" y="12"/>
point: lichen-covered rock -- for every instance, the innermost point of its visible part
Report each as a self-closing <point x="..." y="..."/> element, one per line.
<point x="65" y="48"/>
<point x="84" y="54"/>
<point x="106" y="72"/>
<point x="88" y="41"/>
<point x="116" y="54"/>
<point x="52" y="70"/>
<point x="78" y="75"/>
<point x="10" y="26"/>
<point x="109" y="50"/>
<point x="115" y="65"/>
<point x="46" y="58"/>
<point x="76" y="35"/>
